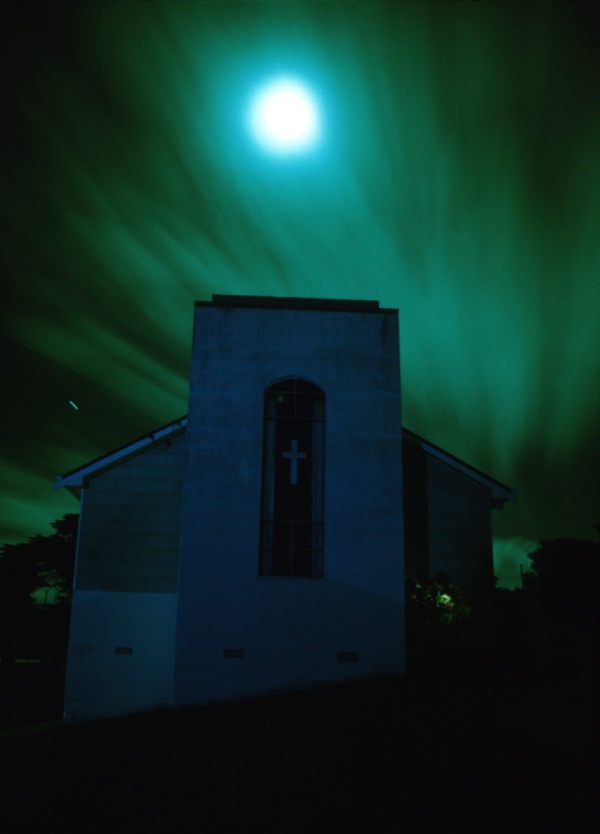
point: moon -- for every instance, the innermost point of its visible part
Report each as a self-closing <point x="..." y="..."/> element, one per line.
<point x="284" y="117"/>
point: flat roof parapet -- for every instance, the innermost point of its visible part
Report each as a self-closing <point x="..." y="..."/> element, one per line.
<point x="267" y="302"/>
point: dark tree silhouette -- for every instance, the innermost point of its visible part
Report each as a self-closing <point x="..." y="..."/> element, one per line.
<point x="42" y="562"/>
<point x="438" y="619"/>
<point x="33" y="637"/>
<point x="564" y="574"/>
<point x="559" y="609"/>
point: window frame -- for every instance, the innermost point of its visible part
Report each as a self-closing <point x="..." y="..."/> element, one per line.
<point x="302" y="558"/>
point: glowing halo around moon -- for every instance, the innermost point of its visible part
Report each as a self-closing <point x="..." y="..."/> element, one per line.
<point x="283" y="117"/>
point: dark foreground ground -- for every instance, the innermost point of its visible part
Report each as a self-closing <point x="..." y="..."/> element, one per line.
<point x="497" y="746"/>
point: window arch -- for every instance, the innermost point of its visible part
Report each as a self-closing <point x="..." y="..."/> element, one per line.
<point x="293" y="480"/>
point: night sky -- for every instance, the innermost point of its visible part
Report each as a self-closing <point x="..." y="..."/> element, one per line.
<point x="457" y="178"/>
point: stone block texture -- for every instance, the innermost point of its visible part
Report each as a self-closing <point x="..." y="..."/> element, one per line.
<point x="130" y="523"/>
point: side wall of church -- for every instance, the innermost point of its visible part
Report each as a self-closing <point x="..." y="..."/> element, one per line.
<point x="120" y="656"/>
<point x="122" y="631"/>
<point x="130" y="523"/>
<point x="239" y="633"/>
<point x="416" y="530"/>
<point x="459" y="528"/>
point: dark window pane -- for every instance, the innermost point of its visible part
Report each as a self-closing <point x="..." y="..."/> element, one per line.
<point x="282" y="405"/>
<point x="281" y="563"/>
<point x="282" y="534"/>
<point x="283" y="386"/>
<point x="303" y="563"/>
<point x="303" y="535"/>
<point x="305" y="406"/>
<point x="303" y="386"/>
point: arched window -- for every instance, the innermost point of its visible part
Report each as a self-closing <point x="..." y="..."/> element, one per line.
<point x="292" y="482"/>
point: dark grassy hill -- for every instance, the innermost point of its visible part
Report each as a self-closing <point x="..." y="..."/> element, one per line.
<point x="493" y="728"/>
<point x="483" y="748"/>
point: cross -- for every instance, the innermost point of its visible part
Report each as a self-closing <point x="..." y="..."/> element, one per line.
<point x="294" y="456"/>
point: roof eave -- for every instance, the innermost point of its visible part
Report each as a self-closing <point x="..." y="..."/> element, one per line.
<point x="500" y="493"/>
<point x="78" y="477"/>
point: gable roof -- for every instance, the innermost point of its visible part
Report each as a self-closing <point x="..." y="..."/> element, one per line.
<point x="76" y="478"/>
<point x="500" y="492"/>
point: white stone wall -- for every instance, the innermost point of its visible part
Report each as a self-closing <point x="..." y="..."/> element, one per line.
<point x="122" y="633"/>
<point x="120" y="654"/>
<point x="130" y="523"/>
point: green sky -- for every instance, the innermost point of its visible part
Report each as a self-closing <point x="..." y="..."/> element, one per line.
<point x="457" y="179"/>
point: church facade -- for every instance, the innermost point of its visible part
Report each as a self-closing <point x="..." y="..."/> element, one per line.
<point x="261" y="542"/>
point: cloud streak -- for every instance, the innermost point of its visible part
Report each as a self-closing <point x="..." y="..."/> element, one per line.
<point x="457" y="180"/>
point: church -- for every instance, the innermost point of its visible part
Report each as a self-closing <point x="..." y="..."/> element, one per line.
<point x="261" y="542"/>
